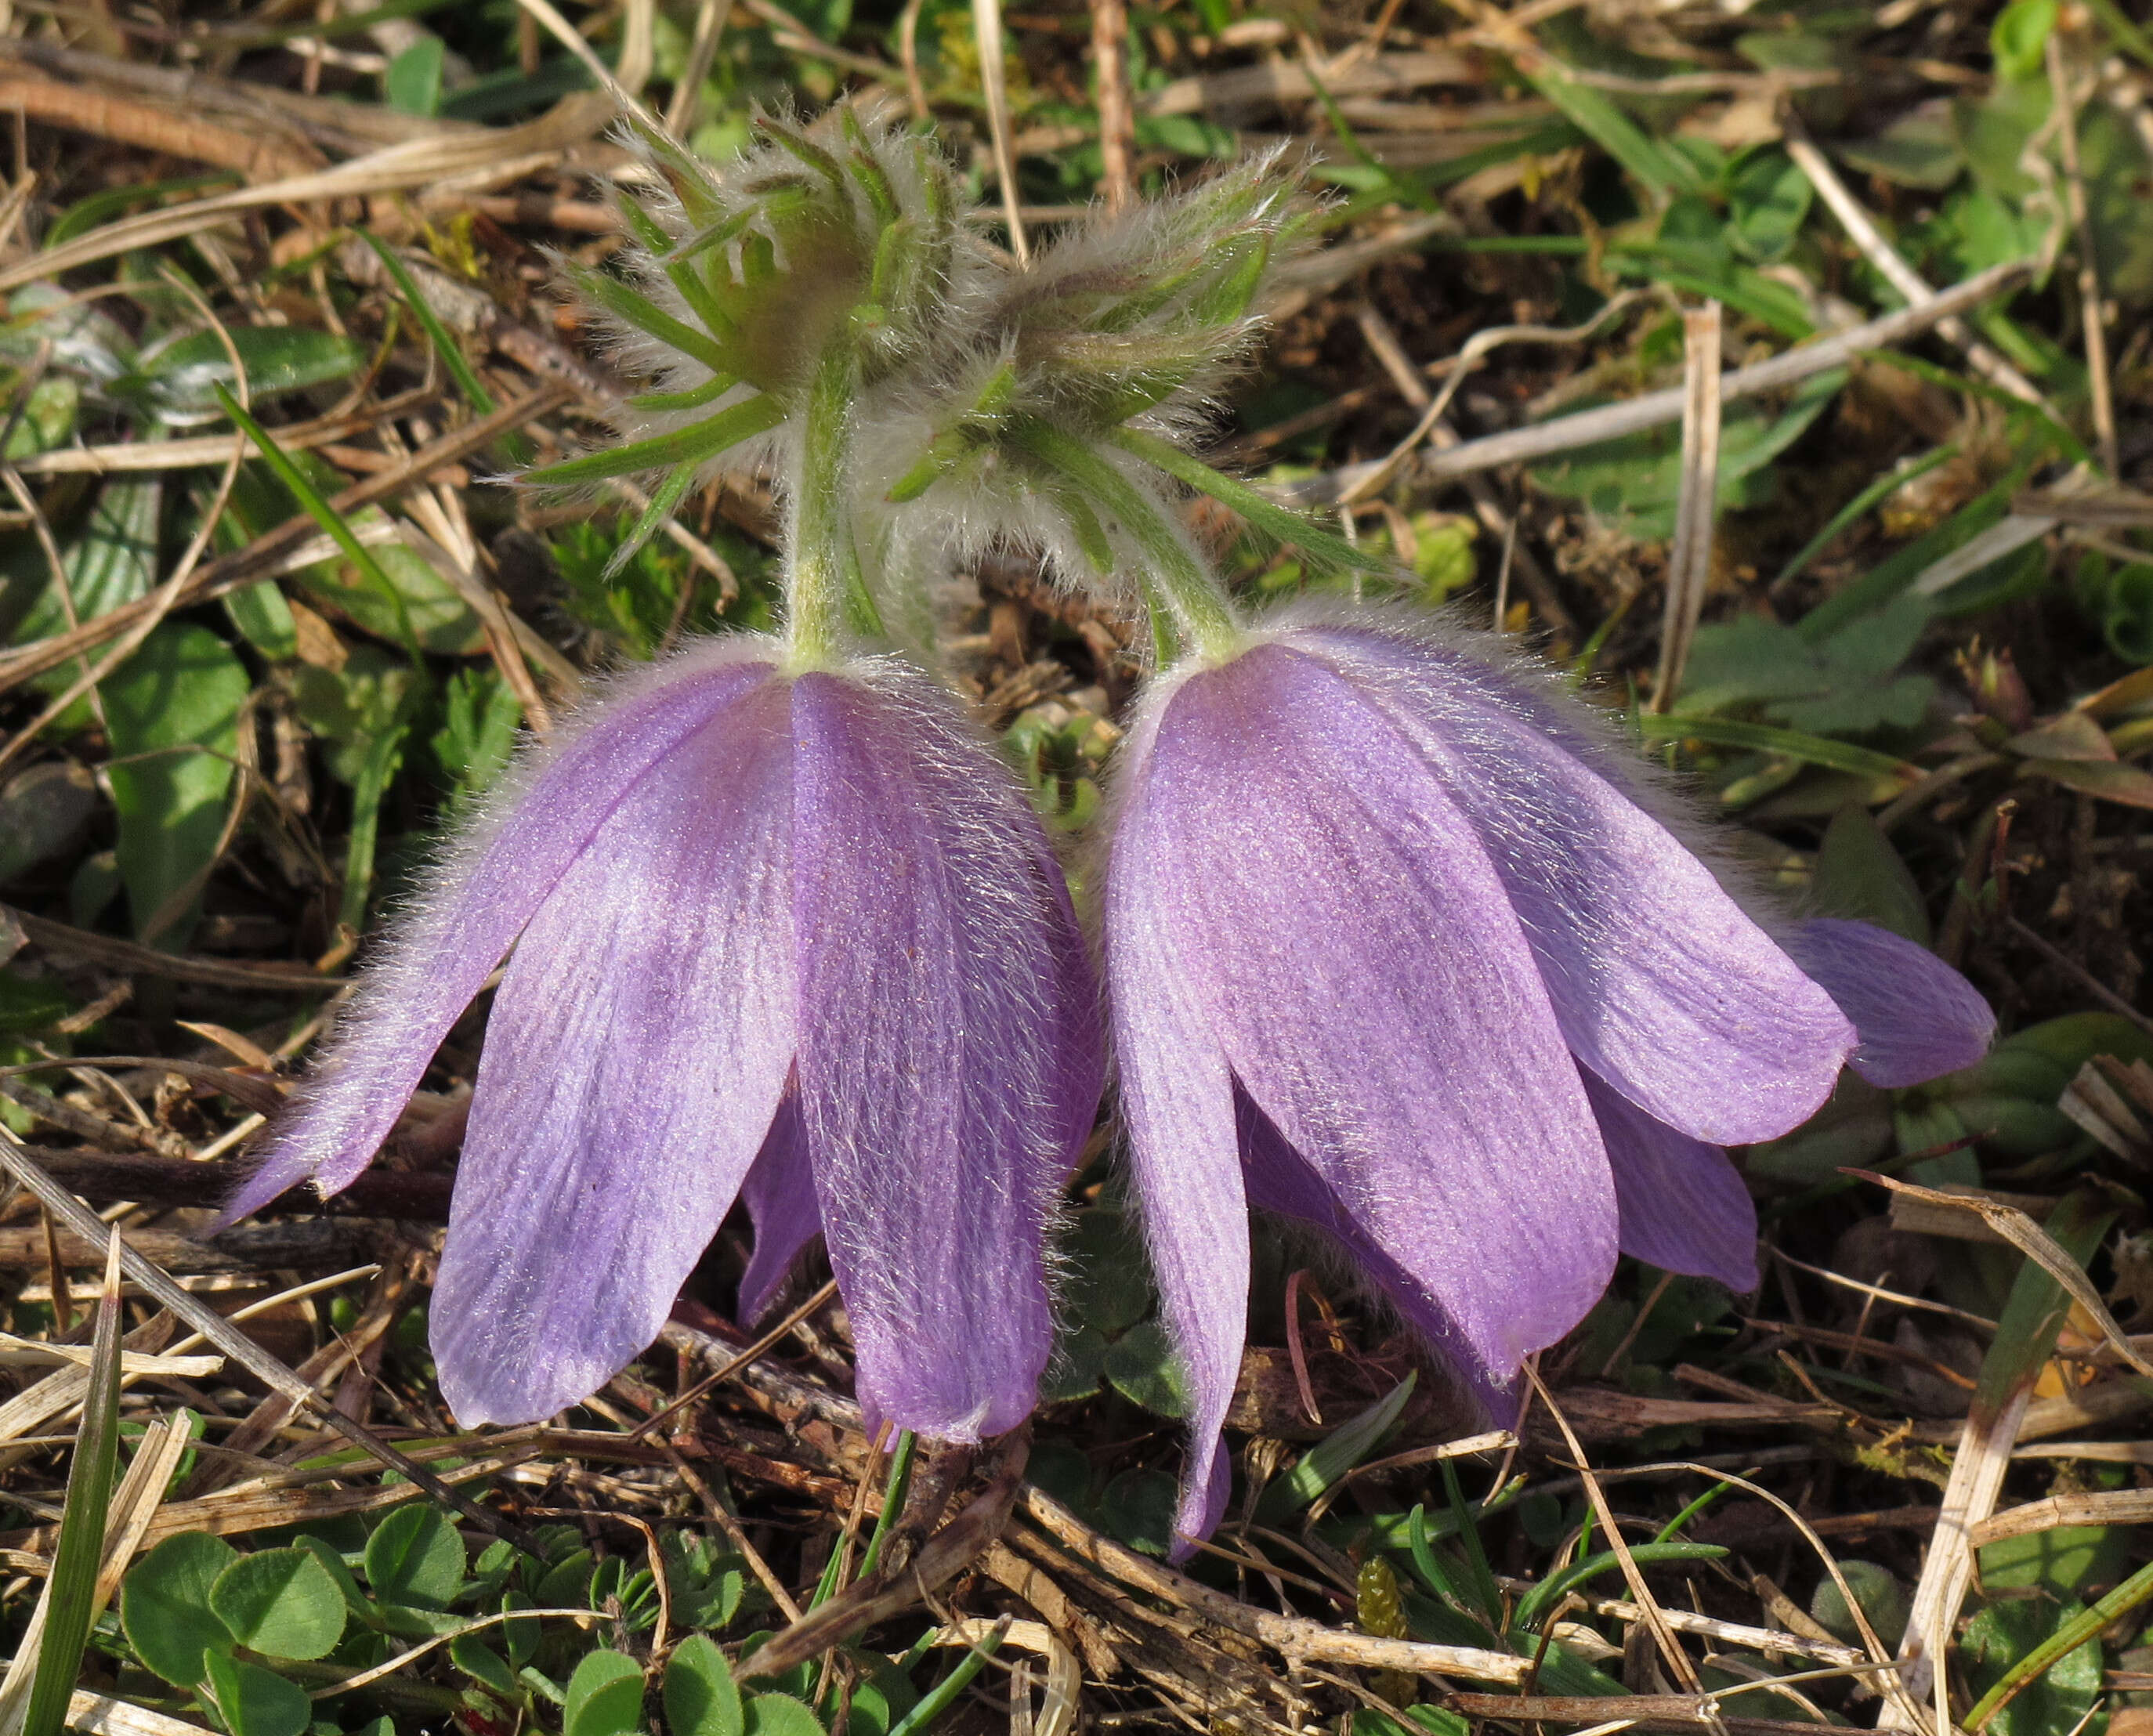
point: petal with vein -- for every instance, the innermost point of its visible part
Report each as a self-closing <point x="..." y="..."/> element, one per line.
<point x="1663" y="986"/>
<point x="1683" y="1203"/>
<point x="639" y="1046"/>
<point x="779" y="1195"/>
<point x="1918" y="1018"/>
<point x="1177" y="1099"/>
<point x="1375" y="998"/>
<point x="949" y="1057"/>
<point x="471" y="915"/>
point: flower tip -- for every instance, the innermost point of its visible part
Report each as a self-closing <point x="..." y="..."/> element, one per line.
<point x="1916" y="1017"/>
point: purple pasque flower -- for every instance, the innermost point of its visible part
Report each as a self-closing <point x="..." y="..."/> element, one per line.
<point x="793" y="936"/>
<point x="1399" y="947"/>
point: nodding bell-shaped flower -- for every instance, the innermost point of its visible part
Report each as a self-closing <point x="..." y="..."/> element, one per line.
<point x="1399" y="947"/>
<point x="795" y="937"/>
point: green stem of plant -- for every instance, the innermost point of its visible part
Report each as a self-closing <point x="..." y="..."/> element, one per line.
<point x="1179" y="591"/>
<point x="893" y="1498"/>
<point x="939" y="1697"/>
<point x="829" y="606"/>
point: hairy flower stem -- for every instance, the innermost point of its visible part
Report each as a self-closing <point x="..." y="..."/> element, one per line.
<point x="1184" y="598"/>
<point x="828" y="605"/>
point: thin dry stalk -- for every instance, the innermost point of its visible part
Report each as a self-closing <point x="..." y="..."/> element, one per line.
<point x="1117" y="136"/>
<point x="1696" y="500"/>
<point x="2093" y="316"/>
<point x="1862" y="231"/>
<point x="994" y="84"/>
<point x="235" y="1345"/>
<point x="148" y="127"/>
<point x="711" y="17"/>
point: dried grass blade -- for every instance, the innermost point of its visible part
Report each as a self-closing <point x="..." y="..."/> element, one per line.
<point x="1696" y="500"/>
<point x="993" y="83"/>
<point x="2037" y="1244"/>
<point x="2026" y="1336"/>
<point x="15" y="1159"/>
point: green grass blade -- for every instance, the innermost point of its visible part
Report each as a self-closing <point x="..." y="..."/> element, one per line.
<point x="668" y="495"/>
<point x="437" y="334"/>
<point x="1666" y="172"/>
<point x="694" y="398"/>
<point x="331" y="520"/>
<point x="1884" y="487"/>
<point x="893" y="1498"/>
<point x="383" y="760"/>
<point x="1788" y="744"/>
<point x="71" y="1604"/>
<point x="940" y="1697"/>
<point x="685" y="445"/>
<point x="1282" y="524"/>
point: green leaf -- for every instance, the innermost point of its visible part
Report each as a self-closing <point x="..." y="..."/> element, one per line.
<point x="1107" y="1281"/>
<point x="699" y="1694"/>
<point x="1336" y="1455"/>
<point x="781" y="1715"/>
<point x="264" y="619"/>
<point x="605" y="1697"/>
<point x="45" y="813"/>
<point x="48" y="417"/>
<point x="1137" y="1507"/>
<point x="1858" y="875"/>
<point x="686" y="446"/>
<point x="399" y="598"/>
<point x="1916" y="150"/>
<point x="1789" y="744"/>
<point x="1142" y="1367"/>
<point x="281" y="1602"/>
<point x="476" y="1659"/>
<point x="2019" y="37"/>
<point x="1849" y="683"/>
<point x="172" y="712"/>
<point x="182" y="378"/>
<point x="253" y="1702"/>
<point x="2065" y="1561"/>
<point x="412" y="84"/>
<point x="1631" y="483"/>
<point x="113" y="560"/>
<point x="1768" y="196"/>
<point x="1322" y="546"/>
<point x="2003" y="1633"/>
<point x="415" y="1558"/>
<point x="165" y="1610"/>
<point x="1882" y="1597"/>
<point x="71" y="1602"/>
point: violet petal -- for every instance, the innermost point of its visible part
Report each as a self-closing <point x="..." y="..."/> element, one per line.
<point x="779" y="1195"/>
<point x="1375" y="996"/>
<point x="1281" y="1181"/>
<point x="1294" y="897"/>
<point x="1663" y="985"/>
<point x="1918" y="1018"/>
<point x="470" y="914"/>
<point x="639" y="1046"/>
<point x="1176" y="1100"/>
<point x="1683" y="1203"/>
<point x="949" y="1064"/>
